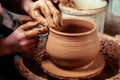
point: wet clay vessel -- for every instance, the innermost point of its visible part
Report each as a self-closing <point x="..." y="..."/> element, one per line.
<point x="73" y="50"/>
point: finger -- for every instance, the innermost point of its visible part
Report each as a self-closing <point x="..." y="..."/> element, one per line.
<point x="47" y="14"/>
<point x="29" y="25"/>
<point x="40" y="18"/>
<point x="35" y="13"/>
<point x="36" y="32"/>
<point x="24" y="19"/>
<point x="32" y="9"/>
<point x="61" y="21"/>
<point x="55" y="13"/>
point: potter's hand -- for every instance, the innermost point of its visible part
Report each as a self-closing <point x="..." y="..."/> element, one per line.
<point x="44" y="12"/>
<point x="25" y="38"/>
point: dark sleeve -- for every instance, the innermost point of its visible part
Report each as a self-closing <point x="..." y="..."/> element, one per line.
<point x="13" y="5"/>
<point x="5" y="31"/>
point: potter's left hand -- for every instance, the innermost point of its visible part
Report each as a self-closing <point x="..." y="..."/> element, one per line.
<point x="44" y="12"/>
<point x="24" y="39"/>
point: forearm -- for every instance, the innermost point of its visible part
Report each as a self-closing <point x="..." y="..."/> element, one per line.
<point x="25" y="4"/>
<point x="4" y="50"/>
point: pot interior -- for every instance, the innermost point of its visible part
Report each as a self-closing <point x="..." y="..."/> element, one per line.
<point x="75" y="26"/>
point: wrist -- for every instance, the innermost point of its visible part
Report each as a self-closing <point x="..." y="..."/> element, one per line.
<point x="26" y="5"/>
<point x="5" y="50"/>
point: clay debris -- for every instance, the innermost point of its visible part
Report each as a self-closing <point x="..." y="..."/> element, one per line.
<point x="68" y="3"/>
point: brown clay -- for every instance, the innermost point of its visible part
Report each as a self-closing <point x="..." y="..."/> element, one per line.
<point x="73" y="50"/>
<point x="75" y="44"/>
<point x="68" y="3"/>
<point x="91" y="70"/>
<point x="109" y="48"/>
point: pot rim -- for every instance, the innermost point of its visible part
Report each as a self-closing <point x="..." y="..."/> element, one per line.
<point x="76" y="34"/>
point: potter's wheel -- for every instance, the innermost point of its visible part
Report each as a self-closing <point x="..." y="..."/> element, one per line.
<point x="93" y="69"/>
<point x="110" y="48"/>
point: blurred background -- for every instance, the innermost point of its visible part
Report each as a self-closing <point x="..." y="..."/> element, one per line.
<point x="105" y="13"/>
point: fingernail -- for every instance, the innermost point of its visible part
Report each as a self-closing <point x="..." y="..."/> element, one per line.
<point x="17" y="58"/>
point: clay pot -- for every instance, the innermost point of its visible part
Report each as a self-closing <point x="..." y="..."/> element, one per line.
<point x="73" y="45"/>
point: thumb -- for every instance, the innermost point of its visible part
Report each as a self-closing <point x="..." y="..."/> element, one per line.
<point x="29" y="25"/>
<point x="35" y="32"/>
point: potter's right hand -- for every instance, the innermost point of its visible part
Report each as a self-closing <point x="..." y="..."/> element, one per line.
<point x="25" y="38"/>
<point x="44" y="12"/>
